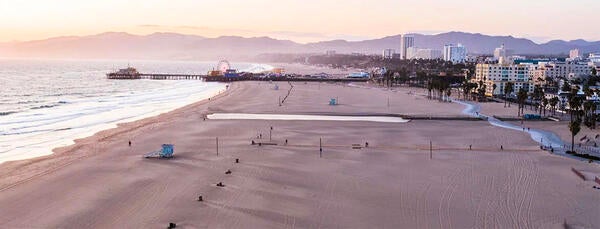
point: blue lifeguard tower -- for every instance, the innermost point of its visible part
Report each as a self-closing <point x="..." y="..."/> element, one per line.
<point x="165" y="152"/>
<point x="333" y="102"/>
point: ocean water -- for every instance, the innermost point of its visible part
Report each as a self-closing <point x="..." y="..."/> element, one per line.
<point x="46" y="104"/>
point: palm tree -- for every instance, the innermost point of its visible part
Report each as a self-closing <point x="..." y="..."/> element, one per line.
<point x="574" y="104"/>
<point x="429" y="88"/>
<point x="521" y="97"/>
<point x="468" y="88"/>
<point x="544" y="104"/>
<point x="588" y="111"/>
<point x="574" y="127"/>
<point x="553" y="103"/>
<point x="508" y="89"/>
<point x="537" y="95"/>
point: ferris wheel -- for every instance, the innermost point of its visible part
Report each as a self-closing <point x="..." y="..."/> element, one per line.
<point x="223" y="66"/>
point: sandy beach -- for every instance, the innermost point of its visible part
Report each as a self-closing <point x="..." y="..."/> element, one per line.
<point x="395" y="182"/>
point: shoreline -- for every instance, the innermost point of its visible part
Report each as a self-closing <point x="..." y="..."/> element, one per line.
<point x="397" y="181"/>
<point x="63" y="156"/>
<point x="41" y="152"/>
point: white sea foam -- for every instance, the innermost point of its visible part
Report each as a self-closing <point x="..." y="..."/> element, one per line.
<point x="56" y="102"/>
<point x="35" y="133"/>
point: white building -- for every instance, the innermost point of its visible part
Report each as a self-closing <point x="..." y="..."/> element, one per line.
<point x="426" y="54"/>
<point x="574" y="54"/>
<point x="595" y="58"/>
<point x="503" y="55"/>
<point x="330" y="53"/>
<point x="560" y="70"/>
<point x="520" y="75"/>
<point x="406" y="43"/>
<point x="388" y="53"/>
<point x="455" y="53"/>
<point x="526" y="75"/>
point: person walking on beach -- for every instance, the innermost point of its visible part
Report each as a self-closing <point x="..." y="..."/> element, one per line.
<point x="129" y="143"/>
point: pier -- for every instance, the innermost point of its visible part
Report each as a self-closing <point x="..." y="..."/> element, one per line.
<point x="247" y="77"/>
<point x="226" y="75"/>
<point x="116" y="76"/>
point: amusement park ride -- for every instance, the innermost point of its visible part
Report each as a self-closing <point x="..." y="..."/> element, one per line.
<point x="224" y="70"/>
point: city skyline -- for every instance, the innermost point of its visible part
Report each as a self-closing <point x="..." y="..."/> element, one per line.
<point x="296" y="20"/>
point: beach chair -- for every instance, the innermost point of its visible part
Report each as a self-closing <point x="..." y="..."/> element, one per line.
<point x="165" y="152"/>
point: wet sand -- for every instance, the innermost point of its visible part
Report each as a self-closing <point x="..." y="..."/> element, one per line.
<point x="101" y="182"/>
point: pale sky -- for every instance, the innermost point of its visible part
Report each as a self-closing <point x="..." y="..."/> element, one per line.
<point x="300" y="20"/>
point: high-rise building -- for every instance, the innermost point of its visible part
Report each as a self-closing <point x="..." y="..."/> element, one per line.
<point x="388" y="53"/>
<point x="426" y="54"/>
<point x="574" y="54"/>
<point x="502" y="51"/>
<point x="455" y="53"/>
<point x="406" y="43"/>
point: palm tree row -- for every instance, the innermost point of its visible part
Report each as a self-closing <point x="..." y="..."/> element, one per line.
<point x="439" y="88"/>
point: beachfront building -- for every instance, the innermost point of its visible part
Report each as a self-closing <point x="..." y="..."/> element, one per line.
<point x="455" y="53"/>
<point x="595" y="58"/>
<point x="520" y="75"/>
<point x="330" y="53"/>
<point x="560" y="70"/>
<point x="425" y="54"/>
<point x="388" y="53"/>
<point x="406" y="43"/>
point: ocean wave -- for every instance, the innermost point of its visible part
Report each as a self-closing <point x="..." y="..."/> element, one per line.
<point x="43" y="107"/>
<point x="29" y="102"/>
<point x="4" y="113"/>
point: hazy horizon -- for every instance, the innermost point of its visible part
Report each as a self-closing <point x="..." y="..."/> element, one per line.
<point x="256" y="36"/>
<point x="297" y="21"/>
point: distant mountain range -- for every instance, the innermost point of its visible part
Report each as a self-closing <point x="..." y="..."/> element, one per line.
<point x="178" y="46"/>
